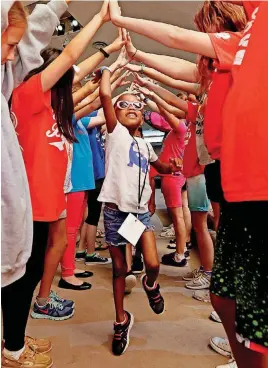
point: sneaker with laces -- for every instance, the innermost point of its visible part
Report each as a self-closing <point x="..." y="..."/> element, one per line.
<point x="169" y="260"/>
<point x="121" y="335"/>
<point x="29" y="358"/>
<point x="230" y="364"/>
<point x="199" y="283"/>
<point x="52" y="310"/>
<point x="65" y="302"/>
<point x="170" y="233"/>
<point x="131" y="282"/>
<point x="80" y="256"/>
<point x="221" y="346"/>
<point x="38" y="345"/>
<point x="155" y="298"/>
<point x="137" y="265"/>
<point x="202" y="296"/>
<point x="215" y="317"/>
<point x="191" y="275"/>
<point x="97" y="259"/>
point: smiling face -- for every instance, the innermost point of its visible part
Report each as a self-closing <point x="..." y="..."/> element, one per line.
<point x="129" y="117"/>
<point x="9" y="40"/>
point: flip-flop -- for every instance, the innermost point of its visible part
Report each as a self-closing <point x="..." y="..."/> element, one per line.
<point x="101" y="246"/>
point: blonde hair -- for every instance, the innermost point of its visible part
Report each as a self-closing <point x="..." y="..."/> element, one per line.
<point x="217" y="16"/>
<point x="17" y="16"/>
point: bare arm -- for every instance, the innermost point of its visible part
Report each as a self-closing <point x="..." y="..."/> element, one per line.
<point x="106" y="101"/>
<point x="175" y="165"/>
<point x="162" y="78"/>
<point x="88" y="65"/>
<point x="173" y="121"/>
<point x="169" y="35"/>
<point x="84" y="91"/>
<point x="73" y="50"/>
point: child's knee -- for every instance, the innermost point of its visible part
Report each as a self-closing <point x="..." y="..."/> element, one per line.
<point x="119" y="271"/>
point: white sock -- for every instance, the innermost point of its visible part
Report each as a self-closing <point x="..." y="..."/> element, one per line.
<point x="13" y="354"/>
<point x="179" y="257"/>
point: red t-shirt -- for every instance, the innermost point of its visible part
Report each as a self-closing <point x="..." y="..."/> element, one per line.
<point x="244" y="153"/>
<point x="191" y="166"/>
<point x="225" y="45"/>
<point x="43" y="149"/>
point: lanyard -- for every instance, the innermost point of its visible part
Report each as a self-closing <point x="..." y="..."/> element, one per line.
<point x="141" y="188"/>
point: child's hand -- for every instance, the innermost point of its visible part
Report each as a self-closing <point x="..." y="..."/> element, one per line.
<point x="133" y="68"/>
<point x="96" y="76"/>
<point x="121" y="81"/>
<point x="115" y="11"/>
<point x="131" y="49"/>
<point x="151" y="208"/>
<point x="175" y="164"/>
<point x="119" y="42"/>
<point x="104" y="12"/>
<point x="141" y="81"/>
<point x="143" y="90"/>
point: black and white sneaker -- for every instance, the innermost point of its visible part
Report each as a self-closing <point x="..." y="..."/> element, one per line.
<point x="97" y="259"/>
<point x="121" y="335"/>
<point x="137" y="265"/>
<point x="169" y="260"/>
<point x="156" y="300"/>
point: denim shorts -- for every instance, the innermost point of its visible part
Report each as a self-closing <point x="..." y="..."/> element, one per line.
<point x="197" y="194"/>
<point x="113" y="219"/>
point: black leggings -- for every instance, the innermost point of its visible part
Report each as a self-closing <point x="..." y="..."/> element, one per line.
<point x="94" y="206"/>
<point x="17" y="297"/>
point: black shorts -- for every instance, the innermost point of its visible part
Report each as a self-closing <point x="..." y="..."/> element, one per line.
<point x="240" y="269"/>
<point x="213" y="182"/>
<point x="94" y="206"/>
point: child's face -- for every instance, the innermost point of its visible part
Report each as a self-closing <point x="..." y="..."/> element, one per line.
<point x="130" y="117"/>
<point x="9" y="40"/>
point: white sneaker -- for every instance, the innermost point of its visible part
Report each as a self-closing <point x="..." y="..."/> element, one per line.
<point x="191" y="275"/>
<point x="215" y="317"/>
<point x="170" y="233"/>
<point x="131" y="282"/>
<point x="202" y="296"/>
<point x="230" y="364"/>
<point x="199" y="283"/>
<point x="221" y="346"/>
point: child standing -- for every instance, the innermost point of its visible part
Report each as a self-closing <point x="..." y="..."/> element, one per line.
<point x="126" y="190"/>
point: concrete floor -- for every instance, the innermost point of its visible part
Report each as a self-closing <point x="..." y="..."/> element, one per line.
<point x="178" y="338"/>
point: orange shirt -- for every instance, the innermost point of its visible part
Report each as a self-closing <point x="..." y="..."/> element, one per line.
<point x="191" y="166"/>
<point x="225" y="45"/>
<point x="43" y="149"/>
<point x="244" y="153"/>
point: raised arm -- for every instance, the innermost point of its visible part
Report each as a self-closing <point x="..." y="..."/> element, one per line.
<point x="41" y="25"/>
<point x="169" y="35"/>
<point x="88" y="65"/>
<point x="73" y="50"/>
<point x="172" y="120"/>
<point x="162" y="78"/>
<point x="166" y="95"/>
<point x="106" y="101"/>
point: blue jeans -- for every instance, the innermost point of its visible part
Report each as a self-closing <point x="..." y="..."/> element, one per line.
<point x="113" y="219"/>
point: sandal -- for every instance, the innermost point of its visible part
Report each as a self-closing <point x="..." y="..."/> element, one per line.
<point x="100" y="246"/>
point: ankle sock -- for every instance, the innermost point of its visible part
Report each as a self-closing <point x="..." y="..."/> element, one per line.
<point x="13" y="354"/>
<point x="91" y="254"/>
<point x="80" y="251"/>
<point x="208" y="273"/>
<point x="179" y="257"/>
<point x="41" y="301"/>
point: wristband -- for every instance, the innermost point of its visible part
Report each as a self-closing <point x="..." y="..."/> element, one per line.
<point x="134" y="54"/>
<point x="105" y="68"/>
<point x="104" y="52"/>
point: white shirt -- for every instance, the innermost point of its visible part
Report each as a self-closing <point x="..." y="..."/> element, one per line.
<point x="121" y="184"/>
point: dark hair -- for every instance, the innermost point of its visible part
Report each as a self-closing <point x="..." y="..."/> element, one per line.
<point x="61" y="95"/>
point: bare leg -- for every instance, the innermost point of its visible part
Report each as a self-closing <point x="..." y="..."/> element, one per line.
<point x="119" y="274"/>
<point x="91" y="238"/>
<point x="179" y="227"/>
<point x="83" y="238"/>
<point x="216" y="212"/>
<point x="150" y="256"/>
<point x="204" y="241"/>
<point x="57" y="244"/>
<point x="245" y="358"/>
<point x="129" y="257"/>
<point x="186" y="215"/>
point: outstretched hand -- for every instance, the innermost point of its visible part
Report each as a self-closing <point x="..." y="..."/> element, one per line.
<point x="120" y="41"/>
<point x="122" y="81"/>
<point x="104" y="12"/>
<point x="133" y="68"/>
<point x="143" y="90"/>
<point x="139" y="80"/>
<point x="115" y="11"/>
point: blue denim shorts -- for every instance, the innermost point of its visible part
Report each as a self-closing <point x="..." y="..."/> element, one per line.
<point x="113" y="219"/>
<point x="197" y="194"/>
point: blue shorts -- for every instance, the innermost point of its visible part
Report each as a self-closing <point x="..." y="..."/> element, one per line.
<point x="197" y="194"/>
<point x="113" y="219"/>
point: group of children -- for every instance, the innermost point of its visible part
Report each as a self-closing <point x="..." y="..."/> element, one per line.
<point x="54" y="167"/>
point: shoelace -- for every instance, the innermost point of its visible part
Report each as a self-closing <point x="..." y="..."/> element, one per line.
<point x="56" y="297"/>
